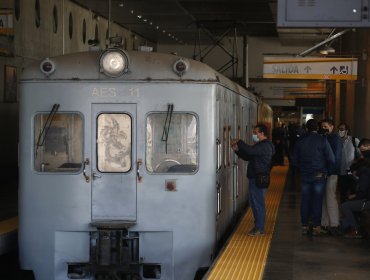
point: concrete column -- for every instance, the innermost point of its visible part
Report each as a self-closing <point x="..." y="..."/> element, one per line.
<point x="349" y="101"/>
<point x="330" y="99"/>
<point x="365" y="119"/>
<point x="336" y="112"/>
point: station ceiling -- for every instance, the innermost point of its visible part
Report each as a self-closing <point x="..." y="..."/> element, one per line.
<point x="190" y="21"/>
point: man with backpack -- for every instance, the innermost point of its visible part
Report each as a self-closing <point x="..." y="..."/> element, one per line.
<point x="350" y="152"/>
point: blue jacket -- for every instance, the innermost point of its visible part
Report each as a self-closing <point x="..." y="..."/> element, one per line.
<point x="336" y="145"/>
<point x="313" y="154"/>
<point x="258" y="155"/>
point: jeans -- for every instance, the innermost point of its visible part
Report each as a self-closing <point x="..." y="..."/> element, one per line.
<point x="257" y="203"/>
<point x="312" y="192"/>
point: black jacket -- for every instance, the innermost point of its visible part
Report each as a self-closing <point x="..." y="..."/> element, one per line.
<point x="258" y="155"/>
<point x="362" y="168"/>
<point x="313" y="154"/>
<point x="336" y="145"/>
<point x="363" y="184"/>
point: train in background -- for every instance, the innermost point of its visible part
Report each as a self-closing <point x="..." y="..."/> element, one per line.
<point x="126" y="169"/>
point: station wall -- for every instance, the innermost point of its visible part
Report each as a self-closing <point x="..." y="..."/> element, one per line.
<point x="39" y="29"/>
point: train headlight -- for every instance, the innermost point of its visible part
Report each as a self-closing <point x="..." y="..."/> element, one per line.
<point x="181" y="66"/>
<point x="114" y="62"/>
<point x="47" y="67"/>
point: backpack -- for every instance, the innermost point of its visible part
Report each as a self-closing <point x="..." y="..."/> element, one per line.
<point x="357" y="152"/>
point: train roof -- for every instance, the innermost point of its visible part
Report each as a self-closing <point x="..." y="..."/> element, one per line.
<point x="143" y="66"/>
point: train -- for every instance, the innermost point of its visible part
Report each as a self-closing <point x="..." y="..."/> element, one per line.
<point x="125" y="166"/>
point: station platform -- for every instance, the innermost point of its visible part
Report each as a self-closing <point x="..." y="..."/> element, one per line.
<point x="283" y="252"/>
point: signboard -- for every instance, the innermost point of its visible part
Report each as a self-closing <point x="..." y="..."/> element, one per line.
<point x="310" y="68"/>
<point x="323" y="13"/>
<point x="6" y="23"/>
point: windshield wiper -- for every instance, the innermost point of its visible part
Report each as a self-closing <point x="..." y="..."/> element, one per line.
<point x="45" y="129"/>
<point x="167" y="123"/>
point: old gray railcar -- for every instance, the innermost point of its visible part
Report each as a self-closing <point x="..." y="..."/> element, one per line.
<point x="125" y="165"/>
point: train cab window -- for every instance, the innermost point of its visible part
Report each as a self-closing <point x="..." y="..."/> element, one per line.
<point x="114" y="139"/>
<point x="171" y="143"/>
<point x="58" y="142"/>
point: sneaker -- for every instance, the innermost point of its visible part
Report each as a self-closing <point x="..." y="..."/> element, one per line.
<point x="255" y="232"/>
<point x="305" y="230"/>
<point x="353" y="234"/>
<point x="318" y="231"/>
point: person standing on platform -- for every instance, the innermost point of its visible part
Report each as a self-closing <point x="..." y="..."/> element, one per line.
<point x="259" y="157"/>
<point x="359" y="201"/>
<point x="278" y="138"/>
<point x="350" y="152"/>
<point x="313" y="157"/>
<point x="330" y="210"/>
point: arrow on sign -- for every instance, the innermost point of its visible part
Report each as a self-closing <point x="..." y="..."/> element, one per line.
<point x="308" y="69"/>
<point x="333" y="69"/>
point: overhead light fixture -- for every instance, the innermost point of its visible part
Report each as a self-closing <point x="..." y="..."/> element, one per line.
<point x="325" y="42"/>
<point x="327" y="50"/>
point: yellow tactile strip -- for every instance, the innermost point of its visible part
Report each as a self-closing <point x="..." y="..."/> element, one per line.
<point x="244" y="257"/>
<point x="9" y="225"/>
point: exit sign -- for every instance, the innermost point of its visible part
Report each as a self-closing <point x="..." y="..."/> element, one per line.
<point x="310" y="68"/>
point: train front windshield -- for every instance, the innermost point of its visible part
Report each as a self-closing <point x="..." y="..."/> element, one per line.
<point x="172" y="143"/>
<point x="58" y="144"/>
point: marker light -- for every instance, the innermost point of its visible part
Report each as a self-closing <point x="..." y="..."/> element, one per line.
<point x="114" y="62"/>
<point x="181" y="66"/>
<point x="47" y="67"/>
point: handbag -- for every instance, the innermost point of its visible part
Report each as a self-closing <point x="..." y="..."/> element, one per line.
<point x="262" y="180"/>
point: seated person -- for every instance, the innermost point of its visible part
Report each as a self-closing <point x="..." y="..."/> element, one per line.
<point x="361" y="199"/>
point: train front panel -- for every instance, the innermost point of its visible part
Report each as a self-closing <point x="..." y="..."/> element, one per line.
<point x="135" y="165"/>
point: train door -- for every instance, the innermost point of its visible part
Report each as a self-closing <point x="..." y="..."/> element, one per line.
<point x="235" y="134"/>
<point x="113" y="162"/>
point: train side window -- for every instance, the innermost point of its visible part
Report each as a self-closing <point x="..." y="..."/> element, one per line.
<point x="172" y="143"/>
<point x="246" y="134"/>
<point x="228" y="145"/>
<point x="114" y="138"/>
<point x="224" y="146"/>
<point x="59" y="143"/>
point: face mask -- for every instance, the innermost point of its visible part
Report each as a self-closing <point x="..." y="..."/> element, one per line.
<point x="255" y="138"/>
<point x="342" y="133"/>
